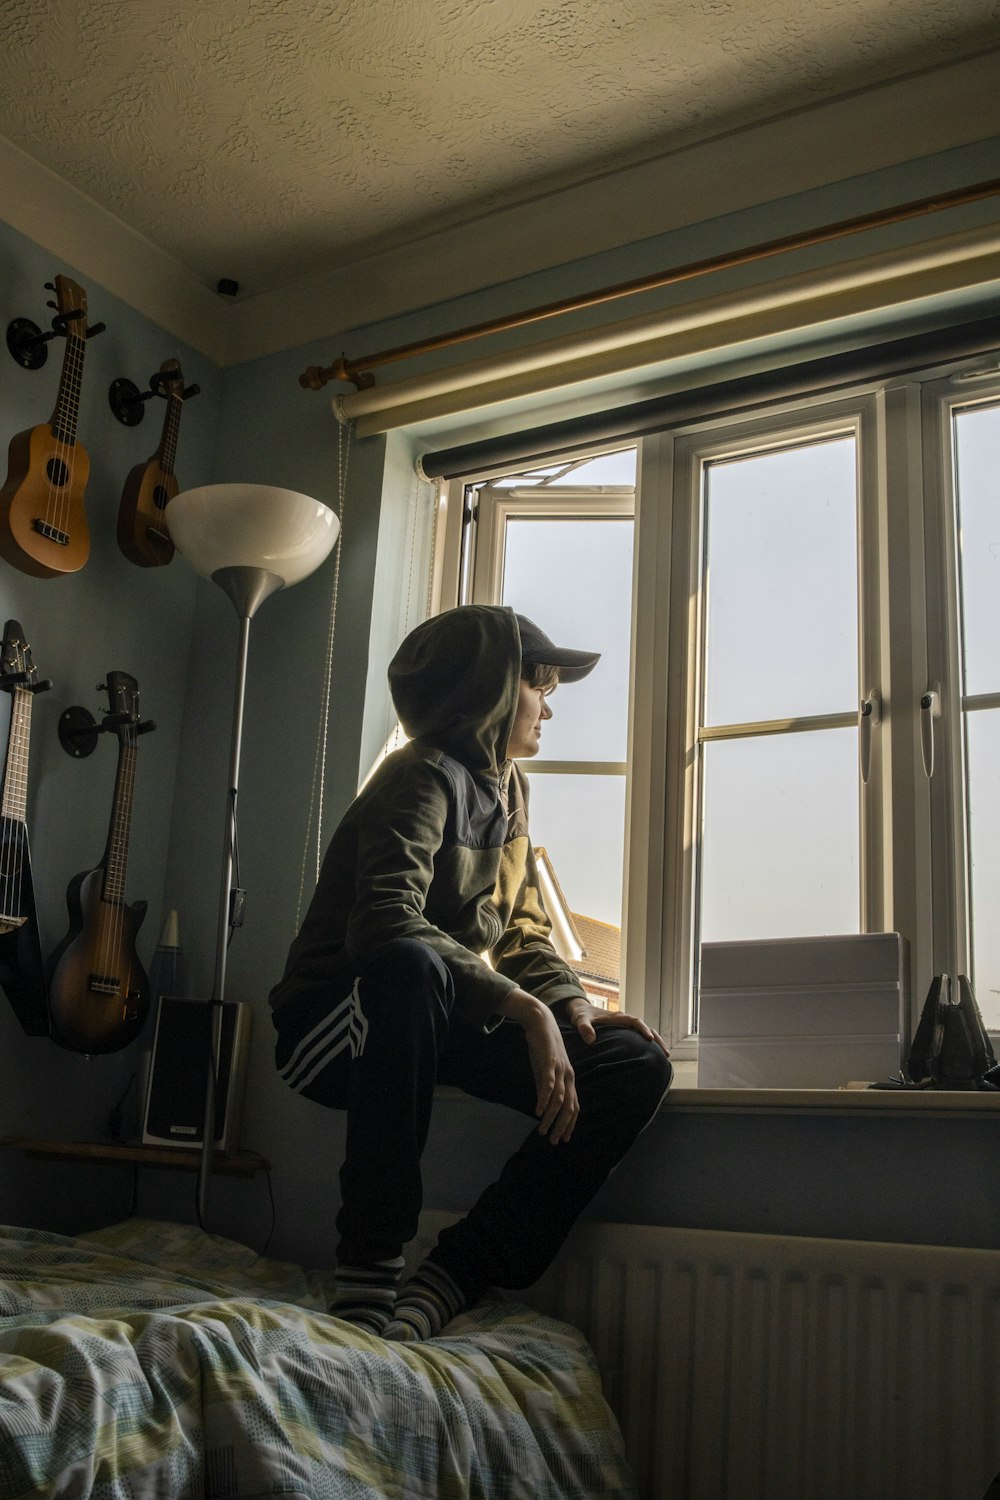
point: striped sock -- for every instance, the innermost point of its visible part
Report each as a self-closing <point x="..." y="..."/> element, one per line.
<point x="364" y="1295"/>
<point x="428" y="1301"/>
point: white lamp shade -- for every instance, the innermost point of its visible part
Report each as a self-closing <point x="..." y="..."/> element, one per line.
<point x="251" y="526"/>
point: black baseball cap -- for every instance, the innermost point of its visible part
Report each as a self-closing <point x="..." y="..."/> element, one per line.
<point x="538" y="650"/>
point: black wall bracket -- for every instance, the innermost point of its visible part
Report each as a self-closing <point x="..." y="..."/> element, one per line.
<point x="126" y="401"/>
<point x="29" y="345"/>
<point x="129" y="403"/>
<point x="78" y="732"/>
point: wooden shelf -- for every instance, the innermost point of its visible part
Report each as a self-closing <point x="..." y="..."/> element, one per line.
<point x="226" y="1164"/>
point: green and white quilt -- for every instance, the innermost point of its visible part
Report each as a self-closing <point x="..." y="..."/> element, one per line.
<point x="152" y="1360"/>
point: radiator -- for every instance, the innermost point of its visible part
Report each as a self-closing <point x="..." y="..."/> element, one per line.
<point x="759" y="1367"/>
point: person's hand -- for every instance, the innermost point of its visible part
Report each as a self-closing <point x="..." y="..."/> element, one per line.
<point x="555" y="1081"/>
<point x="586" y="1018"/>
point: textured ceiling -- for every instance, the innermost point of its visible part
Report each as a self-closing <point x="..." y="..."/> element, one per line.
<point x="264" y="139"/>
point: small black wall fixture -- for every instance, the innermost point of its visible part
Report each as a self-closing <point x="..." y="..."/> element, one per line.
<point x="79" y="731"/>
<point x="129" y="403"/>
<point x="27" y="343"/>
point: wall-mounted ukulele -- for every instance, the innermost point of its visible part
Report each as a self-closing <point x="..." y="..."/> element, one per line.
<point x="142" y="534"/>
<point x="98" y="991"/>
<point x="21" y="975"/>
<point x="43" y="525"/>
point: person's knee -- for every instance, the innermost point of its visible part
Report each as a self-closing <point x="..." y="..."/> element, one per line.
<point x="645" y="1074"/>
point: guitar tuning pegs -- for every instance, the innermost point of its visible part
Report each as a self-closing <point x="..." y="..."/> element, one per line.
<point x="53" y="305"/>
<point x="95" y="329"/>
<point x="50" y="286"/>
<point x="191" y="390"/>
<point x="101" y="687"/>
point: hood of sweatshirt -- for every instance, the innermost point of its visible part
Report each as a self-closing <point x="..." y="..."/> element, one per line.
<point x="454" y="681"/>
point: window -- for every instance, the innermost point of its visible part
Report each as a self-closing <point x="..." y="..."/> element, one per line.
<point x="556" y="545"/>
<point x="777" y="727"/>
<point x="964" y="741"/>
<point x="813" y="709"/>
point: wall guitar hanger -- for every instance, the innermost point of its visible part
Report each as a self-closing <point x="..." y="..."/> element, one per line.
<point x="79" y="731"/>
<point x="128" y="402"/>
<point x="27" y="342"/>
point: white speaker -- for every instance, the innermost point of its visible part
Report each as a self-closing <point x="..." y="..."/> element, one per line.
<point x="174" y="1110"/>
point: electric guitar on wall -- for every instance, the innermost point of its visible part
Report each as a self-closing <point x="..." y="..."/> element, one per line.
<point x="21" y="974"/>
<point x="142" y="533"/>
<point x="43" y="525"/>
<point x="98" y="990"/>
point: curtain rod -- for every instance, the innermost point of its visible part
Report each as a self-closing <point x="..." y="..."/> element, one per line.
<point x="825" y="375"/>
<point x="357" y="372"/>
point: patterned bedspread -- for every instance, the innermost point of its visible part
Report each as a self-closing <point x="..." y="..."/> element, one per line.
<point x="152" y="1360"/>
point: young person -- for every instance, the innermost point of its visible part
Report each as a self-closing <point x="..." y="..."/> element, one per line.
<point x="387" y="992"/>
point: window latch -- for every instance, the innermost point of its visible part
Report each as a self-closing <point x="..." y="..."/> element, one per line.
<point x="930" y="709"/>
<point x="869" y="715"/>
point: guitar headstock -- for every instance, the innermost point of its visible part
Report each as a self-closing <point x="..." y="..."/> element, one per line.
<point x="171" y="378"/>
<point x="123" y="705"/>
<point x="71" y="298"/>
<point x="17" y="668"/>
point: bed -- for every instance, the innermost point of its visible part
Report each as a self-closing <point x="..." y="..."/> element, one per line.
<point x="152" y="1360"/>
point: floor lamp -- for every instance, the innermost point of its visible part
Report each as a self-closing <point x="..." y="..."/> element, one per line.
<point x="250" y="539"/>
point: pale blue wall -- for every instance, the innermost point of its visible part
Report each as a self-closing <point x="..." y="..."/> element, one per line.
<point x="110" y="615"/>
<point x="808" y="1176"/>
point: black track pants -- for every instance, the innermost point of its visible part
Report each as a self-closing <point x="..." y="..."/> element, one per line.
<point x="378" y="1052"/>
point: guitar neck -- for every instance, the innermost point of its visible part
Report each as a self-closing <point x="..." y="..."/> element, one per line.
<point x="167" y="451"/>
<point x="70" y="383"/>
<point x="116" y="854"/>
<point x="15" y="778"/>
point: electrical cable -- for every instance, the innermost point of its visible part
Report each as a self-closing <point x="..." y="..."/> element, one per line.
<point x="274" y="1213"/>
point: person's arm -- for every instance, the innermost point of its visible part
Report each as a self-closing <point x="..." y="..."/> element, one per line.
<point x="557" y="1103"/>
<point x="399" y="834"/>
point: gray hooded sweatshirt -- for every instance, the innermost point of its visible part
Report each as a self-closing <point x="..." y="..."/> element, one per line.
<point x="436" y="846"/>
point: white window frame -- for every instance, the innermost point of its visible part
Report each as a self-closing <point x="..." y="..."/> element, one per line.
<point x="547" y="503"/>
<point x="895" y="825"/>
<point x="912" y="830"/>
<point x="941" y="400"/>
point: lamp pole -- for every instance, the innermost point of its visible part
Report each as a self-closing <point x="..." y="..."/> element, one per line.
<point x="250" y="540"/>
<point x="247" y="588"/>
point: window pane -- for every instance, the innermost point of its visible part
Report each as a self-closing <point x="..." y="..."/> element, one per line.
<point x="781" y="574"/>
<point x="779" y="852"/>
<point x="580" y="821"/>
<point x="609" y="468"/>
<point x="977" y="444"/>
<point x="574" y="579"/>
<point x="983" y="810"/>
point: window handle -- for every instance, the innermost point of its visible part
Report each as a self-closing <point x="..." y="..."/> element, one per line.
<point x="930" y="709"/>
<point x="869" y="715"/>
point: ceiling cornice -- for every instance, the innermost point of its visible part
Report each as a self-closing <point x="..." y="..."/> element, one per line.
<point x="876" y="128"/>
<point x="100" y="248"/>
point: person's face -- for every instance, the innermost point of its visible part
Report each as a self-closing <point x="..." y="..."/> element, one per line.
<point x="532" y="711"/>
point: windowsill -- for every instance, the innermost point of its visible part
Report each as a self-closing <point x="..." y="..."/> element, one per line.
<point x="957" y="1103"/>
<point x="862" y="1101"/>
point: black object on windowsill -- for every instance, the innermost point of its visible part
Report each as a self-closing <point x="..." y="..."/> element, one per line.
<point x="951" y="1049"/>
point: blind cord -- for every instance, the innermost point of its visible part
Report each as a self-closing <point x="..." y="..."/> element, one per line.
<point x="316" y="790"/>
